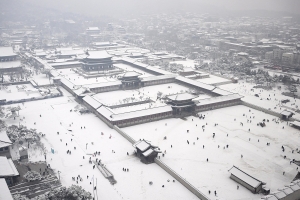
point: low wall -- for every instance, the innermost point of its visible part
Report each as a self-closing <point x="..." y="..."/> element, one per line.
<point x="28" y="100"/>
<point x="16" y="83"/>
<point x="222" y="83"/>
<point x="276" y="114"/>
<point x="217" y="106"/>
<point x="127" y="137"/>
<point x="184" y="182"/>
<point x="131" y="104"/>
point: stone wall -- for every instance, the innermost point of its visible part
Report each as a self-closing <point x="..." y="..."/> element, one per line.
<point x="180" y="179"/>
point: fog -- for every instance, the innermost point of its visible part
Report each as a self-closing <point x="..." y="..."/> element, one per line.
<point x="127" y="8"/>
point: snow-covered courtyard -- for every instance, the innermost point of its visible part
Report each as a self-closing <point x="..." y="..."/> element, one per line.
<point x="66" y="130"/>
<point x="187" y="152"/>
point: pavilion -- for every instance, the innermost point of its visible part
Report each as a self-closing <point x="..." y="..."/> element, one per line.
<point x="145" y="151"/>
<point x="130" y="80"/>
<point x="97" y="61"/>
<point x="182" y="103"/>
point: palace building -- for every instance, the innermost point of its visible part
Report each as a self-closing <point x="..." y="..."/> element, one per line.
<point x="130" y="80"/>
<point x="182" y="103"/>
<point x="97" y="61"/>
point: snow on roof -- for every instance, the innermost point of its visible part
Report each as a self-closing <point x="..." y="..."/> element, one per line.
<point x="4" y="140"/>
<point x="106" y="112"/>
<point x="153" y="78"/>
<point x="67" y="82"/>
<point x="6" y="51"/>
<point x="245" y="177"/>
<point x="148" y="152"/>
<point x="195" y="83"/>
<point x="287" y="190"/>
<point x="64" y="63"/>
<point x="131" y="74"/>
<point x="92" y="102"/>
<point x="7" y="167"/>
<point x="98" y="55"/>
<point x="221" y="91"/>
<point x="219" y="99"/>
<point x="71" y="52"/>
<point x="5" y="193"/>
<point x="181" y="97"/>
<point x="11" y="64"/>
<point x="296" y="123"/>
<point x="141" y="145"/>
<point x="279" y="194"/>
<point x="141" y="113"/>
<point x="270" y="197"/>
<point x="286" y="112"/>
<point x="295" y="186"/>
<point x="103" y="84"/>
<point x="157" y="70"/>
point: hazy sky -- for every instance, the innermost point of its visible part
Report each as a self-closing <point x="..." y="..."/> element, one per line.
<point x="128" y="7"/>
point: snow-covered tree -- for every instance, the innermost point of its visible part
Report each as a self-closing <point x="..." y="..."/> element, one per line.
<point x="73" y="192"/>
<point x="2" y="125"/>
<point x="20" y="197"/>
<point x="32" y="176"/>
<point x="19" y="133"/>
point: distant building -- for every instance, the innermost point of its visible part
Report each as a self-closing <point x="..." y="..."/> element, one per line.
<point x="277" y="53"/>
<point x="269" y="55"/>
<point x="5" y="145"/>
<point x="7" y="54"/>
<point x="92" y="30"/>
<point x="288" y="58"/>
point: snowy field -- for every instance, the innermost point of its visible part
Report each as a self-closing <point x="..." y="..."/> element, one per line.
<point x="130" y="68"/>
<point x="85" y="135"/>
<point x="77" y="79"/>
<point x="16" y="92"/>
<point x="264" y="162"/>
<point x="42" y="79"/>
<point x="274" y="96"/>
<point x="119" y="97"/>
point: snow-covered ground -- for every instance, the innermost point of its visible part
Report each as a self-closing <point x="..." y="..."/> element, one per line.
<point x="274" y="96"/>
<point x="85" y="135"/>
<point x="130" y="68"/>
<point x="120" y="96"/>
<point x="263" y="162"/>
<point x="16" y="92"/>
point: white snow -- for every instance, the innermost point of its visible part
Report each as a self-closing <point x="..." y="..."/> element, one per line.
<point x="56" y="117"/>
<point x="264" y="162"/>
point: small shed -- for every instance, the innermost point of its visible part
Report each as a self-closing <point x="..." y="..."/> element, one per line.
<point x="145" y="151"/>
<point x="285" y="115"/>
<point x="246" y="180"/>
